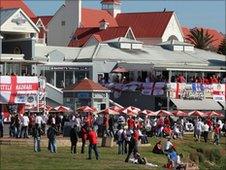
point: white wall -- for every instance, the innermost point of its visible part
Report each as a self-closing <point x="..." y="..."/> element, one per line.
<point x="58" y="34"/>
<point x="173" y="28"/>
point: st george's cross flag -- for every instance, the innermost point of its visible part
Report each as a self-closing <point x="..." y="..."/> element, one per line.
<point x="17" y="89"/>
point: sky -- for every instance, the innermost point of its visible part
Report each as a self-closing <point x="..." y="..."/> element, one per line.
<point x="191" y="13"/>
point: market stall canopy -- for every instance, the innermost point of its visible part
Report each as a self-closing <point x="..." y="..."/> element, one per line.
<point x="179" y="113"/>
<point x="62" y="109"/>
<point x="148" y="113"/>
<point x="119" y="69"/>
<point x="196" y="114"/>
<point x="86" y="109"/>
<point x="205" y="104"/>
<point x="163" y="113"/>
<point x="213" y="114"/>
<point x="109" y="111"/>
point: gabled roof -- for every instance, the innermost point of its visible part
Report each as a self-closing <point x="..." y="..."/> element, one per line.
<point x="145" y="24"/>
<point x="6" y="4"/>
<point x="111" y="1"/>
<point x="45" y="19"/>
<point x="5" y="14"/>
<point x="217" y="36"/>
<point x="86" y="85"/>
<point x="82" y="35"/>
<point x="92" y="18"/>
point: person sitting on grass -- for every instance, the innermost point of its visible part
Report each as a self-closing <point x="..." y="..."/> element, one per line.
<point x="158" y="148"/>
<point x="174" y="159"/>
<point x="138" y="159"/>
<point x="92" y="137"/>
<point x="74" y="139"/>
<point x="167" y="145"/>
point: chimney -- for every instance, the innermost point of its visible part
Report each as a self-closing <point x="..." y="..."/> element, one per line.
<point x="103" y="24"/>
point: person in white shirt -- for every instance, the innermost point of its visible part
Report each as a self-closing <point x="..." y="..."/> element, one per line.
<point x="121" y="140"/>
<point x="168" y="145"/>
<point x="198" y="128"/>
<point x="39" y="120"/>
<point x="205" y="131"/>
<point x="176" y="132"/>
<point x="24" y="126"/>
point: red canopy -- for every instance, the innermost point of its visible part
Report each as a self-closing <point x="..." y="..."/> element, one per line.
<point x="179" y="113"/>
<point x="86" y="109"/>
<point x="110" y="112"/>
<point x="213" y="114"/>
<point x="196" y="113"/>
<point x="148" y="113"/>
<point x="119" y="69"/>
<point x="131" y="110"/>
<point x="163" y="113"/>
<point x="62" y="109"/>
<point x="116" y="108"/>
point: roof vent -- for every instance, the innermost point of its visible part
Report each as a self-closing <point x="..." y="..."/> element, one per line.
<point x="103" y="24"/>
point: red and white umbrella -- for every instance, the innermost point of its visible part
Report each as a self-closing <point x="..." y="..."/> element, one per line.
<point x="116" y="108"/>
<point x="148" y="113"/>
<point x="213" y="114"/>
<point x="163" y="113"/>
<point x="134" y="109"/>
<point x="62" y="109"/>
<point x="130" y="112"/>
<point x="180" y="113"/>
<point x="110" y="112"/>
<point x="196" y="113"/>
<point x="86" y="109"/>
<point x="119" y="69"/>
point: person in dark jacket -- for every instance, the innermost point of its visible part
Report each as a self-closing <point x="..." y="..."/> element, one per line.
<point x="51" y="134"/>
<point x="37" y="138"/>
<point x="74" y="139"/>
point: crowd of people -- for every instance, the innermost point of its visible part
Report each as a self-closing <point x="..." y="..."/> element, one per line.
<point x="127" y="131"/>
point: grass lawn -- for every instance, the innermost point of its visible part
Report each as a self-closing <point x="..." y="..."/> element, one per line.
<point x="22" y="157"/>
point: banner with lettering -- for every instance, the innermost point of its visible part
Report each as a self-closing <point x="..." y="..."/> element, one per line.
<point x="197" y="91"/>
<point x="18" y="89"/>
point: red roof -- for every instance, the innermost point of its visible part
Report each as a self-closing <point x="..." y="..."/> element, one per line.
<point x="45" y="19"/>
<point x="82" y="35"/>
<point x="217" y="36"/>
<point x="86" y="85"/>
<point x="145" y="24"/>
<point x="92" y="18"/>
<point x="110" y="1"/>
<point x="6" y="4"/>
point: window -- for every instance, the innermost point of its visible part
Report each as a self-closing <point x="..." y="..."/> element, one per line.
<point x="63" y="23"/>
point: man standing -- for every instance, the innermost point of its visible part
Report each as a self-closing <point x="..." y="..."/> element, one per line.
<point x="92" y="137"/>
<point x="205" y="131"/>
<point x="24" y="124"/>
<point x="74" y="139"/>
<point x="51" y="134"/>
<point x="1" y="125"/>
<point x="133" y="145"/>
<point x="84" y="136"/>
<point x="37" y="138"/>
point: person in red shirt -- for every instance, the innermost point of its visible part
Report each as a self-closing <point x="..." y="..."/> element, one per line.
<point x="166" y="121"/>
<point x="105" y="125"/>
<point x="131" y="123"/>
<point x="215" y="80"/>
<point x="92" y="137"/>
<point x="217" y="132"/>
<point x="84" y="136"/>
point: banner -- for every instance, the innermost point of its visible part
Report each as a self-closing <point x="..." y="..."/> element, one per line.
<point x="197" y="91"/>
<point x="18" y="89"/>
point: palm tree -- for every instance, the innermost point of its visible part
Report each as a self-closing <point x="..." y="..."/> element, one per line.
<point x="222" y="47"/>
<point x="200" y="38"/>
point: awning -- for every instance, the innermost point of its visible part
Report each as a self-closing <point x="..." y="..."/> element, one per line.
<point x="137" y="66"/>
<point x="207" y="104"/>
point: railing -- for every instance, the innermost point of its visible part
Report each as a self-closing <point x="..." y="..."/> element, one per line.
<point x="54" y="93"/>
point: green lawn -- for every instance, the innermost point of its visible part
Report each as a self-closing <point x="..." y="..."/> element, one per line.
<point x="21" y="157"/>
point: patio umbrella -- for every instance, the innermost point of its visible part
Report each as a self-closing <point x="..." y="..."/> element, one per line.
<point x="180" y="113"/>
<point x="129" y="112"/>
<point x="213" y="114"/>
<point x="196" y="113"/>
<point x="148" y="113"/>
<point x="134" y="109"/>
<point x="62" y="108"/>
<point x="163" y="113"/>
<point x="85" y="109"/>
<point x="110" y="112"/>
<point x="119" y="69"/>
<point x="116" y="108"/>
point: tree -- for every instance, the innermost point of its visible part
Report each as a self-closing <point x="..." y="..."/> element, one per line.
<point x="222" y="47"/>
<point x="200" y="38"/>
